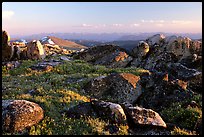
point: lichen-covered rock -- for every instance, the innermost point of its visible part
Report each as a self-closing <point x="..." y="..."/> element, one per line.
<point x="109" y="111"/>
<point x="143" y="116"/>
<point x="116" y="87"/>
<point x="113" y="60"/>
<point x="35" y="50"/>
<point x="7" y="48"/>
<point x="20" y="114"/>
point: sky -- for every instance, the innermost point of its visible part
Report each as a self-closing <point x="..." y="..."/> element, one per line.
<point x="26" y="18"/>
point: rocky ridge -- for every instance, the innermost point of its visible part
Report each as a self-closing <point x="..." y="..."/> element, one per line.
<point x="117" y="96"/>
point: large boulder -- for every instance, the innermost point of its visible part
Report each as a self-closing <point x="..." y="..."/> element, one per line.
<point x="116" y="87"/>
<point x="7" y="48"/>
<point x="115" y="59"/>
<point x="20" y="114"/>
<point x="142" y="116"/>
<point x="35" y="50"/>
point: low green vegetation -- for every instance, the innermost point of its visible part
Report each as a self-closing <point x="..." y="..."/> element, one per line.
<point x="183" y="115"/>
<point x="57" y="90"/>
<point x="60" y="88"/>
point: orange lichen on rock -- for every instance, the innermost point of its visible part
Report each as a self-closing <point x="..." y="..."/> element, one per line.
<point x="121" y="56"/>
<point x="132" y="79"/>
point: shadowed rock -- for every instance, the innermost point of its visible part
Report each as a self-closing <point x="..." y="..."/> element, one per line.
<point x="7" y="48"/>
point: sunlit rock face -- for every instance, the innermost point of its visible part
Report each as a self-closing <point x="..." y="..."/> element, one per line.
<point x="157" y="39"/>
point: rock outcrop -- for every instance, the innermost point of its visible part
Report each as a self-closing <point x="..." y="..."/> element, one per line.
<point x="164" y="50"/>
<point x="20" y="114"/>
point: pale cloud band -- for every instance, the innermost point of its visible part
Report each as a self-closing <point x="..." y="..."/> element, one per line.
<point x="7" y="14"/>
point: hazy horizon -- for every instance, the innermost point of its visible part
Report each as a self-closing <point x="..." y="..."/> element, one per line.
<point x="29" y="18"/>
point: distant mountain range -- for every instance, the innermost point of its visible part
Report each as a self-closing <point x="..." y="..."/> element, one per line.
<point x="61" y="42"/>
<point x="104" y="37"/>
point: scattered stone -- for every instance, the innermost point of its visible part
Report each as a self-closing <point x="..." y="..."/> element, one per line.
<point x="144" y="116"/>
<point x="20" y="114"/>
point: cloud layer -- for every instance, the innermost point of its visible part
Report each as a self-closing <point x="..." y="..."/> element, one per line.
<point x="7" y="14"/>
